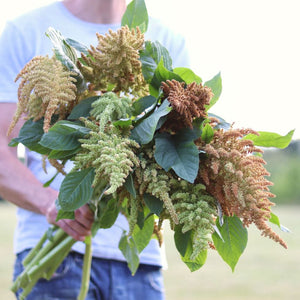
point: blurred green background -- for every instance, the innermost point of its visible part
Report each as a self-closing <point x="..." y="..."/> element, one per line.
<point x="265" y="270"/>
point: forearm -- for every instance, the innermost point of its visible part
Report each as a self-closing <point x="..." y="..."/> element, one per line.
<point x="17" y="184"/>
<point x="20" y="187"/>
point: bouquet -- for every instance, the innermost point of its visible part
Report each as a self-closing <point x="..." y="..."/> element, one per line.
<point x="143" y="143"/>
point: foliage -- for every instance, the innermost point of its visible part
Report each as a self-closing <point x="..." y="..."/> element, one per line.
<point x="143" y="144"/>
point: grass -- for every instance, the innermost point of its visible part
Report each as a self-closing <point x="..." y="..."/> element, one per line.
<point x="265" y="271"/>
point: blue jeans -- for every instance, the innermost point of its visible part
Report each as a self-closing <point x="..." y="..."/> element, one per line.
<point x="110" y="280"/>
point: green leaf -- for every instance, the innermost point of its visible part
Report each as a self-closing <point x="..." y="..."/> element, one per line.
<point x="271" y="139"/>
<point x="66" y="55"/>
<point x="143" y="236"/>
<point x="222" y="123"/>
<point x="207" y="133"/>
<point x="163" y="74"/>
<point x="235" y="238"/>
<point x="144" y="104"/>
<point x="82" y="109"/>
<point x="129" y="185"/>
<point x="143" y="133"/>
<point x="155" y="205"/>
<point x="182" y="240"/>
<point x="78" y="46"/>
<point x="61" y="214"/>
<point x="63" y="136"/>
<point x="30" y="134"/>
<point x="48" y="183"/>
<point x="108" y="213"/>
<point x="179" y="153"/>
<point x="216" y="85"/>
<point x="275" y="220"/>
<point x="188" y="134"/>
<point x="150" y="57"/>
<point x="76" y="189"/>
<point x="197" y="263"/>
<point x="136" y="15"/>
<point x="64" y="154"/>
<point x="187" y="75"/>
<point x="123" y="123"/>
<point x="184" y="245"/>
<point x="63" y="51"/>
<point x="50" y="232"/>
<point x="130" y="252"/>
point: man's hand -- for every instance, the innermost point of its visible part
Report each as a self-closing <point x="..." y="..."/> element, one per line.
<point x="78" y="228"/>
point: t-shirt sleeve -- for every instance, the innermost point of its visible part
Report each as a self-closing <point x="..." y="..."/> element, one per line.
<point x="174" y="42"/>
<point x="13" y="56"/>
<point x="179" y="52"/>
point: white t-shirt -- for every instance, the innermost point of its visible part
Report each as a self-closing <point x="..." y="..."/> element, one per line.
<point x="21" y="40"/>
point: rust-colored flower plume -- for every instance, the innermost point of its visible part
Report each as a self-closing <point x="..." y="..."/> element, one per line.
<point x="115" y="61"/>
<point x="236" y="178"/>
<point x="46" y="88"/>
<point x="187" y="102"/>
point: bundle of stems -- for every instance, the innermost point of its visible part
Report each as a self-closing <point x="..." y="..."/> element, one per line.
<point x="44" y="259"/>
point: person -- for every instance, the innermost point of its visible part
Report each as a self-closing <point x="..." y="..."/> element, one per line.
<point x="22" y="184"/>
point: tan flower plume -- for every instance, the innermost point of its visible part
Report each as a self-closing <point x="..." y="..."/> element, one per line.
<point x="187" y="102"/>
<point x="115" y="60"/>
<point x="236" y="178"/>
<point x="46" y="88"/>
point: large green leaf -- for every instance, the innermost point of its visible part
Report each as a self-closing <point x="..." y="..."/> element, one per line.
<point x="196" y="263"/>
<point x="163" y="74"/>
<point x="187" y="75"/>
<point x="235" y="237"/>
<point x="144" y="104"/>
<point x="130" y="252"/>
<point x="136" y="15"/>
<point x="108" y="213"/>
<point x="271" y="139"/>
<point x="143" y="133"/>
<point x="155" y="205"/>
<point x="182" y="240"/>
<point x="76" y="189"/>
<point x="143" y="236"/>
<point x="178" y="153"/>
<point x="184" y="245"/>
<point x="83" y="108"/>
<point x="216" y="85"/>
<point x="63" y="136"/>
<point x="30" y="134"/>
<point x="151" y="56"/>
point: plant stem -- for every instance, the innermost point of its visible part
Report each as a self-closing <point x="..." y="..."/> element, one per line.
<point x="45" y="262"/>
<point x="23" y="279"/>
<point x="86" y="271"/>
<point x="27" y="289"/>
<point x="34" y="250"/>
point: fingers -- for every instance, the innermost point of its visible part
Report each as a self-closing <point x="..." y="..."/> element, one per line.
<point x="84" y="216"/>
<point x="78" y="228"/>
<point x="81" y="226"/>
<point x="74" y="229"/>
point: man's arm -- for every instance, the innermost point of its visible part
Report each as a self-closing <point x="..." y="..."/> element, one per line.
<point x="20" y="187"/>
